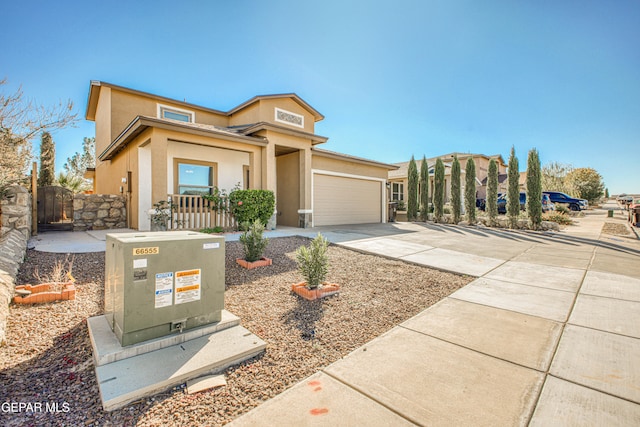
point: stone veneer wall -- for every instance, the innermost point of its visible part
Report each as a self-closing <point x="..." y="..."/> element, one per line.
<point x="16" y="230"/>
<point x="98" y="212"/>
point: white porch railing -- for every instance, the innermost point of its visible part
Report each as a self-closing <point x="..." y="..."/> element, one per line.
<point x="196" y="213"/>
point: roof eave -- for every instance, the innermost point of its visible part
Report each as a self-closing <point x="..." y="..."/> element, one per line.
<point x="141" y="123"/>
<point x="340" y="156"/>
<point x="315" y="139"/>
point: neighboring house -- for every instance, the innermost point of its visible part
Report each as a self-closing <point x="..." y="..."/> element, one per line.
<point x="399" y="182"/>
<point x="151" y="148"/>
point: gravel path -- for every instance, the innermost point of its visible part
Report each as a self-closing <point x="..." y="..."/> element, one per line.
<point x="49" y="358"/>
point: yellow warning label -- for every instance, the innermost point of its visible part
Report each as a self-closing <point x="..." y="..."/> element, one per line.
<point x="187" y="286"/>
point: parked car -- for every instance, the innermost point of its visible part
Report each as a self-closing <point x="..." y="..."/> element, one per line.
<point x="573" y="203"/>
<point x="547" y="205"/>
<point x="482" y="203"/>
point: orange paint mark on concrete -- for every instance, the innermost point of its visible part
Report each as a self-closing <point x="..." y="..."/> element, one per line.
<point x="318" y="411"/>
<point x="314" y="383"/>
<point x="317" y="389"/>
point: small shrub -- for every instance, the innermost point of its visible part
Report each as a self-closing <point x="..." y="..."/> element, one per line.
<point x="313" y="262"/>
<point x="562" y="209"/>
<point x="558" y="217"/>
<point x="253" y="243"/>
<point x="250" y="205"/>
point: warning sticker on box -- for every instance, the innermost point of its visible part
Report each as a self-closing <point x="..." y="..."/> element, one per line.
<point x="187" y="286"/>
<point x="164" y="289"/>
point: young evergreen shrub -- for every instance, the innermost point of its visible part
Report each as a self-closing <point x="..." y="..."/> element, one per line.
<point x="470" y="191"/>
<point x="424" y="189"/>
<point x="513" y="190"/>
<point x="313" y="262"/>
<point x="412" y="189"/>
<point x="438" y="191"/>
<point x="47" y="160"/>
<point x="534" y="189"/>
<point x="253" y="243"/>
<point x="492" y="192"/>
<point x="456" y="203"/>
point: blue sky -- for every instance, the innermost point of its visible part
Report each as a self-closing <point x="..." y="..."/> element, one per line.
<point x="391" y="78"/>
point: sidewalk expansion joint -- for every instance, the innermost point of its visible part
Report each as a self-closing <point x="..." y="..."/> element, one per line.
<point x="563" y="326"/>
<point x="372" y="398"/>
<point x="473" y="349"/>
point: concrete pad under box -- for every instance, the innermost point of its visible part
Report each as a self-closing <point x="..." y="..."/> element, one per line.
<point x="107" y="348"/>
<point x="140" y="376"/>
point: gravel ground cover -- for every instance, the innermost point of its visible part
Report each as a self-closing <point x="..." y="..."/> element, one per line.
<point x="617" y="229"/>
<point x="49" y="358"/>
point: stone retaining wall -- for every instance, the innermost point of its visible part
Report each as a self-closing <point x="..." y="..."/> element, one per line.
<point x="16" y="230"/>
<point x="98" y="212"/>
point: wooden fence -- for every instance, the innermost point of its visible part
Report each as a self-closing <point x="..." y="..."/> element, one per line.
<point x="196" y="213"/>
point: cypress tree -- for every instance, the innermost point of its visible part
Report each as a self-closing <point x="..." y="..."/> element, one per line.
<point x="470" y="191"/>
<point x="492" y="192"/>
<point x="455" y="190"/>
<point x="424" y="189"/>
<point x="534" y="189"/>
<point x="438" y="191"/>
<point x="47" y="160"/>
<point x="412" y="202"/>
<point x="513" y="191"/>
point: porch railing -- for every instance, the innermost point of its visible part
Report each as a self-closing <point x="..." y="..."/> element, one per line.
<point x="196" y="213"/>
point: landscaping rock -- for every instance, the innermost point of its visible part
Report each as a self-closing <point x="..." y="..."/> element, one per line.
<point x="52" y="358"/>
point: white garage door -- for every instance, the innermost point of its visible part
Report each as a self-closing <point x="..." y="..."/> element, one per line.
<point x="342" y="200"/>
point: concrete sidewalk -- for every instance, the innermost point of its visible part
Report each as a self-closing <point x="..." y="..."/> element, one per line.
<point x="548" y="334"/>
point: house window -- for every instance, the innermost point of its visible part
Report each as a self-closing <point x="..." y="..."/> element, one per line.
<point x="397" y="191"/>
<point x="165" y="112"/>
<point x="194" y="177"/>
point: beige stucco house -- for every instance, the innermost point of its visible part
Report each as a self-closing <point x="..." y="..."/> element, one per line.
<point x="151" y="148"/>
<point x="398" y="178"/>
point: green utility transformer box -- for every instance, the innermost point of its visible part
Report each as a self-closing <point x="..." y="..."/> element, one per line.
<point x="161" y="283"/>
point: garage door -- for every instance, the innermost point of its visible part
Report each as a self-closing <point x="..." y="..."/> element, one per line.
<point x="341" y="200"/>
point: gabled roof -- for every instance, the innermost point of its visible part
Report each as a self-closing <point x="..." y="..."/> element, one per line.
<point x="317" y="116"/>
<point x="92" y="102"/>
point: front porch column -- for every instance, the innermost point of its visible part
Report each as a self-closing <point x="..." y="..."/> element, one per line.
<point x="269" y="178"/>
<point x="305" y="213"/>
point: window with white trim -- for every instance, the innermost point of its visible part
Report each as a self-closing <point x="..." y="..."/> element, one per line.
<point x="194" y="177"/>
<point x="397" y="191"/>
<point x="166" y="112"/>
